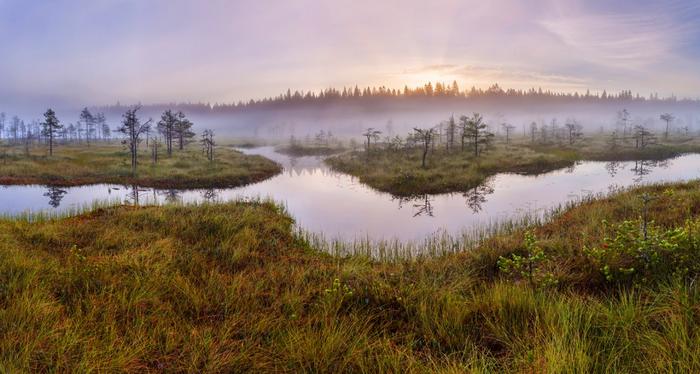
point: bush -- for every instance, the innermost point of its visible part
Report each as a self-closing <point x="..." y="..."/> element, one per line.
<point x="631" y="253"/>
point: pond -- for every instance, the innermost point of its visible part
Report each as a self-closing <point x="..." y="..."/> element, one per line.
<point x="339" y="206"/>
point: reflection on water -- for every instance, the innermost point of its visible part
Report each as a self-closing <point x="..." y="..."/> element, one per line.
<point x="55" y="195"/>
<point x="338" y="206"/>
<point x="422" y="204"/>
<point x="612" y="167"/>
<point x="210" y="195"/>
<point x="476" y="196"/>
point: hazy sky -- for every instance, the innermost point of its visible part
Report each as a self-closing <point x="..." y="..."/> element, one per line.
<point x="99" y="51"/>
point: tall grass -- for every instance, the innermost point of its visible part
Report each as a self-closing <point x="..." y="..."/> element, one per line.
<point x="44" y="215"/>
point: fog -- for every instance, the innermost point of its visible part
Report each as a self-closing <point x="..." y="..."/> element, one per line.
<point x="278" y="119"/>
<point x="347" y="119"/>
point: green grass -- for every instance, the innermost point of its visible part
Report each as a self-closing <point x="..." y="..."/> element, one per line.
<point x="109" y="163"/>
<point x="232" y="288"/>
<point x="400" y="172"/>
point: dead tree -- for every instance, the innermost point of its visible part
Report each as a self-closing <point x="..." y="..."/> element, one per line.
<point x="508" y="128"/>
<point x="155" y="145"/>
<point x="133" y="130"/>
<point x="426" y="137"/>
<point x="668" y="118"/>
<point x="574" y="131"/>
<point x="208" y="144"/>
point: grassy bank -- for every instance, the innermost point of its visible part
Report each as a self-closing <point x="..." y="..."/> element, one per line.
<point x="80" y="165"/>
<point x="230" y="288"/>
<point x="400" y="172"/>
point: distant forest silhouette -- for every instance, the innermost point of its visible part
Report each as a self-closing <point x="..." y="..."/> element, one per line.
<point x="437" y="93"/>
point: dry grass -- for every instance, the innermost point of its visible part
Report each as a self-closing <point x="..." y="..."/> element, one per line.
<point x="109" y="163"/>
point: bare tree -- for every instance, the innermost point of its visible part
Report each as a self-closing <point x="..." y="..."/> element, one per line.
<point x="623" y="120"/>
<point x="133" y="129"/>
<point x="426" y="137"/>
<point x="451" y="133"/>
<point x="574" y="131"/>
<point x="508" y="129"/>
<point x="50" y="128"/>
<point x="668" y="118"/>
<point x="533" y="131"/>
<point x="155" y="145"/>
<point x="208" y="144"/>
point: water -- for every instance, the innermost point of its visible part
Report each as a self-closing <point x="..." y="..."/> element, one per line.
<point x="338" y="206"/>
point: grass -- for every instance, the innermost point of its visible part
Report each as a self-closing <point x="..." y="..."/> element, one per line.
<point x="400" y="172"/>
<point x="74" y="165"/>
<point x="232" y="288"/>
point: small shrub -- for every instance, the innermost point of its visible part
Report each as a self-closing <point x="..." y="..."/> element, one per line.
<point x="633" y="252"/>
<point x="529" y="266"/>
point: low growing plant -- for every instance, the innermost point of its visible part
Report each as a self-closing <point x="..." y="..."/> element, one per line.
<point x="634" y="251"/>
<point x="529" y="266"/>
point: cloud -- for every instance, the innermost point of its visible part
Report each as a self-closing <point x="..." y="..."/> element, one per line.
<point x="629" y="40"/>
<point x="189" y="50"/>
<point x="506" y="76"/>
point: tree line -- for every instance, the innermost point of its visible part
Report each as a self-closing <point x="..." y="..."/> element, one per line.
<point x="436" y="91"/>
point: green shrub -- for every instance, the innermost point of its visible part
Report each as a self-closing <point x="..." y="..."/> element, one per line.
<point x="530" y="266"/>
<point x="633" y="253"/>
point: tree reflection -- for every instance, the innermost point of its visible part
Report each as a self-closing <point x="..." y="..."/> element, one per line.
<point x="642" y="168"/>
<point x="423" y="204"/>
<point x="134" y="196"/>
<point x="476" y="196"/>
<point x="613" y="167"/>
<point x="210" y="195"/>
<point x="171" y="196"/>
<point x="55" y="195"/>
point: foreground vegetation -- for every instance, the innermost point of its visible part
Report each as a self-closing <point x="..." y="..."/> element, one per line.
<point x="398" y="169"/>
<point x="230" y="288"/>
<point x="73" y="165"/>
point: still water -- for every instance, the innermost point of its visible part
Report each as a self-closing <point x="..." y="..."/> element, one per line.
<point x="338" y="206"/>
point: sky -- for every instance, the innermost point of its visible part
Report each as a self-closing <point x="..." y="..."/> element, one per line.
<point x="93" y="52"/>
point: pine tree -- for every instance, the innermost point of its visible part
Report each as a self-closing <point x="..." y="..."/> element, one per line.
<point x="50" y="128"/>
<point x="182" y="130"/>
<point x="477" y="133"/>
